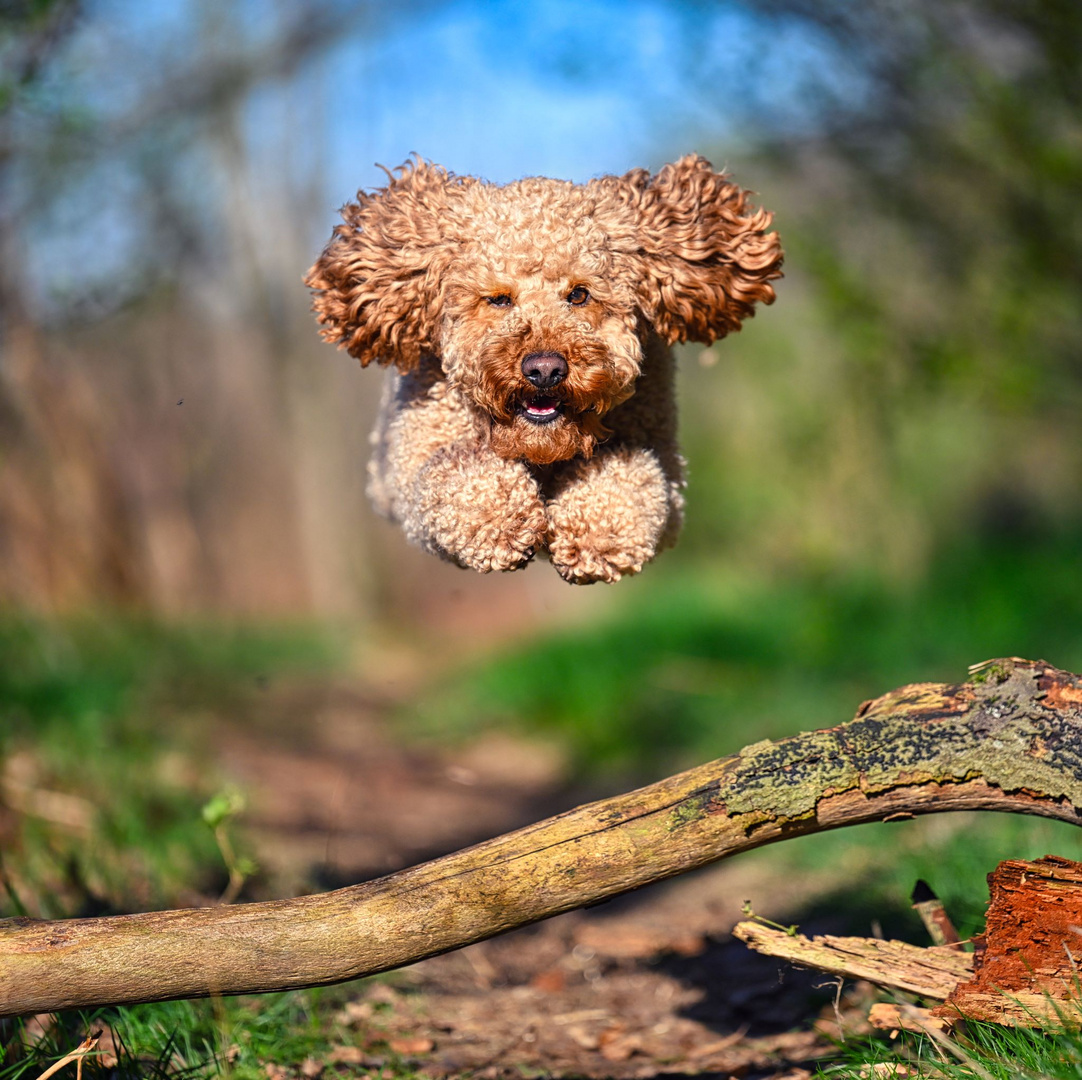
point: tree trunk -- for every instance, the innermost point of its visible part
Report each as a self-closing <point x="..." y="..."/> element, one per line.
<point x="1010" y="740"/>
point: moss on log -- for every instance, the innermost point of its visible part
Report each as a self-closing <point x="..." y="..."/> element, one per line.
<point x="1010" y="739"/>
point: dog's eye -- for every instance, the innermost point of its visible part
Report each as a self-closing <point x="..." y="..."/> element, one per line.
<point x="578" y="296"/>
<point x="502" y="300"/>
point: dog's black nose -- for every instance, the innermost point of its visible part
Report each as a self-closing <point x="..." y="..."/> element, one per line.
<point x="545" y="369"/>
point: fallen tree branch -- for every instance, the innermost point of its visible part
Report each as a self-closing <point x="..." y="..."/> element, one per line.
<point x="1008" y="740"/>
<point x="932" y="973"/>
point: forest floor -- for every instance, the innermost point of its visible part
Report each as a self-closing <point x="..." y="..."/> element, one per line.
<point x="354" y="756"/>
<point x="647" y="985"/>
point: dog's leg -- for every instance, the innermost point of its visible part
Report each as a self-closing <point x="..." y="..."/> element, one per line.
<point x="478" y="510"/>
<point x="609" y="515"/>
<point x="452" y="495"/>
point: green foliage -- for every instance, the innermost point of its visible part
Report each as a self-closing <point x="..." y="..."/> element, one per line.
<point x="695" y="664"/>
<point x="918" y="381"/>
<point x="222" y="807"/>
<point x="105" y="713"/>
<point x="877" y="865"/>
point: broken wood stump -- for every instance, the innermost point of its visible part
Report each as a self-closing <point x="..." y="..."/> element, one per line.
<point x="1026" y="963"/>
<point x="1009" y="739"/>
<point x="1024" y="970"/>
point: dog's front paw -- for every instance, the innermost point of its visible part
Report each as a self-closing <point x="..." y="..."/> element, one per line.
<point x="609" y="515"/>
<point x="479" y="511"/>
<point x="582" y="561"/>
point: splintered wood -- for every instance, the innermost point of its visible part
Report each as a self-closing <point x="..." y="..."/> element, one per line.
<point x="1026" y="961"/>
<point x="930" y="973"/>
<point x="1023" y="972"/>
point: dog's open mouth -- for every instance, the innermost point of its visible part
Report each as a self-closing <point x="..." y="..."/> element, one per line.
<point x="541" y="409"/>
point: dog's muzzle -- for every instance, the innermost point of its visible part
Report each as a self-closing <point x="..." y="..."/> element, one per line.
<point x="545" y="369"/>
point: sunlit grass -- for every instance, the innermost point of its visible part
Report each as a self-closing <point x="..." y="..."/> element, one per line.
<point x="700" y="660"/>
<point x="104" y="758"/>
<point x="976" y="1052"/>
<point x="245" y="1038"/>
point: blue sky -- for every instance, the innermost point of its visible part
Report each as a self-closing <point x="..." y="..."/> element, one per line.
<point x="497" y="89"/>
<point x="506" y="89"/>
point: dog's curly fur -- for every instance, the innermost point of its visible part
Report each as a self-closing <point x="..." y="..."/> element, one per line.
<point x="456" y="282"/>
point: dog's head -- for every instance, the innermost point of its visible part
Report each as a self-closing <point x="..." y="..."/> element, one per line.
<point x="535" y="295"/>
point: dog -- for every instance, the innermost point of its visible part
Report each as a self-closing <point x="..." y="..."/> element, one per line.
<point x="530" y="328"/>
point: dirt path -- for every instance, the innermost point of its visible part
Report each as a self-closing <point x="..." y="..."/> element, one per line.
<point x="644" y="986"/>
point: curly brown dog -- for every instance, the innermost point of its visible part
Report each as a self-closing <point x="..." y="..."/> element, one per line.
<point x="531" y="327"/>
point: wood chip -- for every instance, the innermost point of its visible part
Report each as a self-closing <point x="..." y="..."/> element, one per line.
<point x="1027" y="959"/>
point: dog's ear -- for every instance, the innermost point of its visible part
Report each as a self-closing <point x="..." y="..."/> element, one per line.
<point x="704" y="257"/>
<point x="377" y="283"/>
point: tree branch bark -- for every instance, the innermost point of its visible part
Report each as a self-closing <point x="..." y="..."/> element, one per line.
<point x="1010" y="739"/>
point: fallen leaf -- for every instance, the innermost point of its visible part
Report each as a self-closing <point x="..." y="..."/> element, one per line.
<point x="347" y="1055"/>
<point x="354" y="1012"/>
<point x="551" y="981"/>
<point x="615" y="1045"/>
<point x="621" y="1049"/>
<point x="311" y="1068"/>
<point x="411" y="1044"/>
<point x="581" y="1037"/>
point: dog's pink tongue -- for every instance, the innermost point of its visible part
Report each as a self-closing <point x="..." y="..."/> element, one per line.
<point x="542" y="405"/>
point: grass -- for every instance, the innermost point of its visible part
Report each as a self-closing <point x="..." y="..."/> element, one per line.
<point x="698" y="663"/>
<point x="981" y="1052"/>
<point x="105" y="714"/>
<point x="111" y="713"/>
<point x="245" y="1038"/>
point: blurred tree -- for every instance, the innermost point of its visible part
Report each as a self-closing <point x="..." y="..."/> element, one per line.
<point x="136" y="269"/>
<point x="965" y="145"/>
<point x="161" y="177"/>
<point x="922" y="377"/>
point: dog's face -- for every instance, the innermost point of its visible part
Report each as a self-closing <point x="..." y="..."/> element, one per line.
<point x="535" y="295"/>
